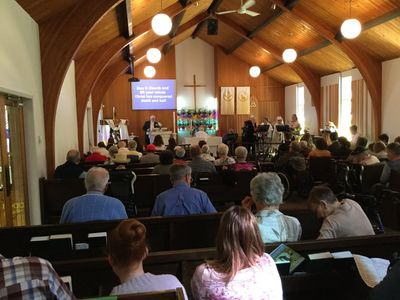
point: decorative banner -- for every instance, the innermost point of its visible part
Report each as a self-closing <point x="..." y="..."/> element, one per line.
<point x="227" y="100"/>
<point x="243" y="100"/>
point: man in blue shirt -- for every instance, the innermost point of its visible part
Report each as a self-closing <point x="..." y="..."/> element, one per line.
<point x="181" y="199"/>
<point x="94" y="205"/>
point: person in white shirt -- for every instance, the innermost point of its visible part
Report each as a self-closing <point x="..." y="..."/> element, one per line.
<point x="354" y="136"/>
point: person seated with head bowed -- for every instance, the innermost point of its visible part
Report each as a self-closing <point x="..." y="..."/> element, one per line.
<point x="223" y="158"/>
<point x="360" y="155"/>
<point x="31" y="278"/>
<point x="266" y="191"/>
<point x="198" y="164"/>
<point x="293" y="161"/>
<point x="343" y="218"/>
<point x="70" y="169"/>
<point x="181" y="199"/>
<point x="379" y="150"/>
<point x="180" y="153"/>
<point x="384" y="138"/>
<point x="159" y="143"/>
<point x="94" y="205"/>
<point x="150" y="157"/>
<point x="103" y="149"/>
<point x="321" y="149"/>
<point x="171" y="144"/>
<point x="166" y="160"/>
<point x="241" y="268"/>
<point x="122" y="147"/>
<point x="113" y="150"/>
<point x="241" y="163"/>
<point x="127" y="248"/>
<point x="205" y="153"/>
<point x="393" y="163"/>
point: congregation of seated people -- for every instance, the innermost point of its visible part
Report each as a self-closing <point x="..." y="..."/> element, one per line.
<point x="240" y="260"/>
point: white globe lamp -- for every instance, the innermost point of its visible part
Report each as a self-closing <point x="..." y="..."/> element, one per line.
<point x="153" y="55"/>
<point x="255" y="71"/>
<point x="289" y="55"/>
<point x="351" y="28"/>
<point x="149" y="71"/>
<point x="161" y="24"/>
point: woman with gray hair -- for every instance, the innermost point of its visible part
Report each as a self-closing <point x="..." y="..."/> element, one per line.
<point x="205" y="153"/>
<point x="241" y="163"/>
<point x="266" y="191"/>
<point x="223" y="159"/>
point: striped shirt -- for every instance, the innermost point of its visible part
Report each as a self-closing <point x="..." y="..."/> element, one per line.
<point x="30" y="278"/>
<point x="277" y="227"/>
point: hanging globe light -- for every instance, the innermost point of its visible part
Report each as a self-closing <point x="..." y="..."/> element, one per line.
<point x="149" y="71"/>
<point x="289" y="55"/>
<point x="351" y="28"/>
<point x="153" y="55"/>
<point x="161" y="24"/>
<point x="254" y="71"/>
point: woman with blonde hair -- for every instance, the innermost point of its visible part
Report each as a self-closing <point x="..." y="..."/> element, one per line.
<point x="241" y="269"/>
<point x="127" y="248"/>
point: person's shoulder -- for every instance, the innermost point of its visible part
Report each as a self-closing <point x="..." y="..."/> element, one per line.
<point x="292" y="219"/>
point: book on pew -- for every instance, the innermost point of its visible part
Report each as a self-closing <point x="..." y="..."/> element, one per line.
<point x="47" y="246"/>
<point x="372" y="270"/>
<point x="97" y="239"/>
<point x="323" y="261"/>
<point x="68" y="282"/>
<point x="286" y="259"/>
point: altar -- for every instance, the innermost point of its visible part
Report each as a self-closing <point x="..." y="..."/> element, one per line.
<point x="212" y="142"/>
<point x="165" y="134"/>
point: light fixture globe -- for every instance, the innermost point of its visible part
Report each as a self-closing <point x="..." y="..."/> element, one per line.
<point x="161" y="24"/>
<point x="153" y="55"/>
<point x="254" y="71"/>
<point x="149" y="71"/>
<point x="351" y="28"/>
<point x="289" y="55"/>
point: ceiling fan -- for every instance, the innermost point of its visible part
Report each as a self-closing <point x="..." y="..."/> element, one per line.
<point x="243" y="10"/>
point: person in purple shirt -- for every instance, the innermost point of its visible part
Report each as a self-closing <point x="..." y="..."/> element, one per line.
<point x="181" y="199"/>
<point x="94" y="205"/>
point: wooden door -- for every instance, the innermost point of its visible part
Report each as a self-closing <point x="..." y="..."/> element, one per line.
<point x="14" y="208"/>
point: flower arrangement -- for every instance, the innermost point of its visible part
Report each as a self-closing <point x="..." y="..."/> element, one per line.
<point x="192" y="120"/>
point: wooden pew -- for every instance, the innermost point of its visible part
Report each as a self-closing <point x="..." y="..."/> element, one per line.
<point x="163" y="233"/>
<point x="94" y="275"/>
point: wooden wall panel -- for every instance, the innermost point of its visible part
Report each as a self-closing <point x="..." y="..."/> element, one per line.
<point x="267" y="95"/>
<point x="119" y="96"/>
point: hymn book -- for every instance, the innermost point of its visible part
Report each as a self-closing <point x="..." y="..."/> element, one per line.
<point x="284" y="255"/>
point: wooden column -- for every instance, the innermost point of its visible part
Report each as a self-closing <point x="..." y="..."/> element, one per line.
<point x="60" y="38"/>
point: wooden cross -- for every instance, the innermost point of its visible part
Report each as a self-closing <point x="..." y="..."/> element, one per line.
<point x="194" y="86"/>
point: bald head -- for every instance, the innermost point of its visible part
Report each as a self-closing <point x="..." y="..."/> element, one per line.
<point x="73" y="156"/>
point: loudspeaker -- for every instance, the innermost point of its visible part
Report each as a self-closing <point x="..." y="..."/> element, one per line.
<point x="212" y="26"/>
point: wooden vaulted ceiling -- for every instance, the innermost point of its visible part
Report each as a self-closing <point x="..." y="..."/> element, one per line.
<point x="101" y="35"/>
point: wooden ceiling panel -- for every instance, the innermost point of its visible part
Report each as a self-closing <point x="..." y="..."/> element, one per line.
<point x="254" y="54"/>
<point x="225" y="38"/>
<point x="183" y="36"/>
<point x="145" y="9"/>
<point x="247" y="22"/>
<point x="284" y="74"/>
<point x="327" y="60"/>
<point x="40" y="10"/>
<point x="105" y="31"/>
<point x="334" y="12"/>
<point x="288" y="31"/>
<point x="144" y="39"/>
<point x="383" y="41"/>
<point x="194" y="10"/>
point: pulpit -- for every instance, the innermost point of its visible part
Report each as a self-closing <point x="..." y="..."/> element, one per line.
<point x="165" y="134"/>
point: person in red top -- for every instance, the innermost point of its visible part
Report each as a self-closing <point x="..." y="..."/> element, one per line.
<point x="241" y="163"/>
<point x="95" y="157"/>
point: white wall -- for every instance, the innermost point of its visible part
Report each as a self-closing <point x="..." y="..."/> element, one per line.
<point x="194" y="56"/>
<point x="20" y="74"/>
<point x="391" y="97"/>
<point x="290" y="101"/>
<point x="66" y="118"/>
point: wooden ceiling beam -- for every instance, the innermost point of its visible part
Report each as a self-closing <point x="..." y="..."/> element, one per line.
<point x="106" y="78"/>
<point x="176" y="22"/>
<point x="161" y="41"/>
<point x="211" y="11"/>
<point x="171" y="11"/>
<point x="369" y="67"/>
<point x="60" y="39"/>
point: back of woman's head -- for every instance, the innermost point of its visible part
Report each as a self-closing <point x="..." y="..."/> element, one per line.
<point x="239" y="243"/>
<point x="320" y="143"/>
<point x="158" y="141"/>
<point x="126" y="244"/>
